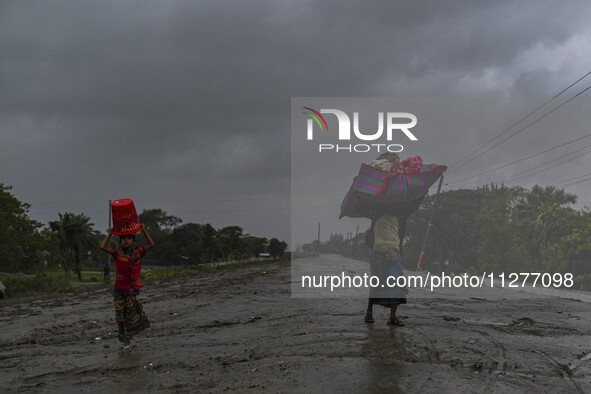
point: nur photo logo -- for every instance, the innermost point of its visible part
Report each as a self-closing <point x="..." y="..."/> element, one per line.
<point x="389" y="125"/>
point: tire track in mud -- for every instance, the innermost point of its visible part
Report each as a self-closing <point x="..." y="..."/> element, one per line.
<point x="499" y="347"/>
<point x="562" y="369"/>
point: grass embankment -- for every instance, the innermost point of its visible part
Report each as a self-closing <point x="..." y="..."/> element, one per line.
<point x="46" y="281"/>
<point x="53" y="281"/>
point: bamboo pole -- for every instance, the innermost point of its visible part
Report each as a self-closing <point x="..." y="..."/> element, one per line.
<point x="420" y="264"/>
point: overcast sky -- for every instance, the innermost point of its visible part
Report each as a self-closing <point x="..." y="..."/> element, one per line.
<point x="185" y="105"/>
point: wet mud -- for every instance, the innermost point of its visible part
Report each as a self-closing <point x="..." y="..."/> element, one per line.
<point x="240" y="330"/>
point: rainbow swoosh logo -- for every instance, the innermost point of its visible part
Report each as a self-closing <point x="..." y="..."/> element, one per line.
<point x="315" y="115"/>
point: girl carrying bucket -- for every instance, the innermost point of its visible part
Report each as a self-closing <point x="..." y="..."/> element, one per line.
<point x="130" y="315"/>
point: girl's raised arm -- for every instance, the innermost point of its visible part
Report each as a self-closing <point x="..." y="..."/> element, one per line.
<point x="151" y="243"/>
<point x="104" y="243"/>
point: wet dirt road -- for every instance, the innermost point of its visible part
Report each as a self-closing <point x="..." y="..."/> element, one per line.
<point x="240" y="330"/>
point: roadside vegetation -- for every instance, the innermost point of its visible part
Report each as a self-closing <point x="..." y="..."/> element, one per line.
<point x="492" y="229"/>
<point x="64" y="255"/>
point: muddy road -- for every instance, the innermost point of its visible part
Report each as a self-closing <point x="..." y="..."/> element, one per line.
<point x="239" y="330"/>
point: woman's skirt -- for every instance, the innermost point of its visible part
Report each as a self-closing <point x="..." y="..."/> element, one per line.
<point x="130" y="315"/>
<point x="383" y="267"/>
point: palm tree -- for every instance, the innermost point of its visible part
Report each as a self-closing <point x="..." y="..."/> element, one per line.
<point x="543" y="204"/>
<point x="75" y="233"/>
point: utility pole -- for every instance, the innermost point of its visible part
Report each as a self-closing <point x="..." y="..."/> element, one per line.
<point x="106" y="269"/>
<point x="354" y="243"/>
<point x="318" y="249"/>
<point x="420" y="265"/>
<point x="349" y="244"/>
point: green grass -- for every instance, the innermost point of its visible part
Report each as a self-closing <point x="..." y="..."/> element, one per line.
<point x="41" y="282"/>
<point x="95" y="276"/>
<point x="50" y="280"/>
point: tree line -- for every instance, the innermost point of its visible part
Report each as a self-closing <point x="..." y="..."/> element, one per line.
<point x="493" y="229"/>
<point x="28" y="246"/>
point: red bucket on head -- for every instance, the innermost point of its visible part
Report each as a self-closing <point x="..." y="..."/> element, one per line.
<point x="125" y="219"/>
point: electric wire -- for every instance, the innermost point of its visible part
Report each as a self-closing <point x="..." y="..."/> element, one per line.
<point x="574" y="181"/>
<point x="520" y="160"/>
<point x="527" y="126"/>
<point x="453" y="166"/>
<point x="533" y="171"/>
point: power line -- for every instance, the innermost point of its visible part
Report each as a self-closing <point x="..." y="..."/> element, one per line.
<point x="571" y="179"/>
<point x="523" y="128"/>
<point x="544" y="167"/>
<point x="576" y="183"/>
<point x="569" y="182"/>
<point x="529" y="125"/>
<point x="520" y="160"/>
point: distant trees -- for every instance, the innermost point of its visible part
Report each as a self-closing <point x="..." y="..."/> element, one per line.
<point x="546" y="207"/>
<point x="27" y="245"/>
<point x="255" y="245"/>
<point x="232" y="243"/>
<point x="572" y="252"/>
<point x="455" y="232"/>
<point x="192" y="243"/>
<point x="504" y="236"/>
<point x="156" y="220"/>
<point x="21" y="242"/>
<point x="160" y="225"/>
<point x="201" y="243"/>
<point x="495" y="229"/>
<point x="276" y="247"/>
<point x="514" y="228"/>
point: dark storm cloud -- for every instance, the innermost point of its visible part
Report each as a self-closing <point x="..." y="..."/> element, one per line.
<point x="190" y="100"/>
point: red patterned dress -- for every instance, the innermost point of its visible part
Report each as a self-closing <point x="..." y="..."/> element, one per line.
<point x="129" y="313"/>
